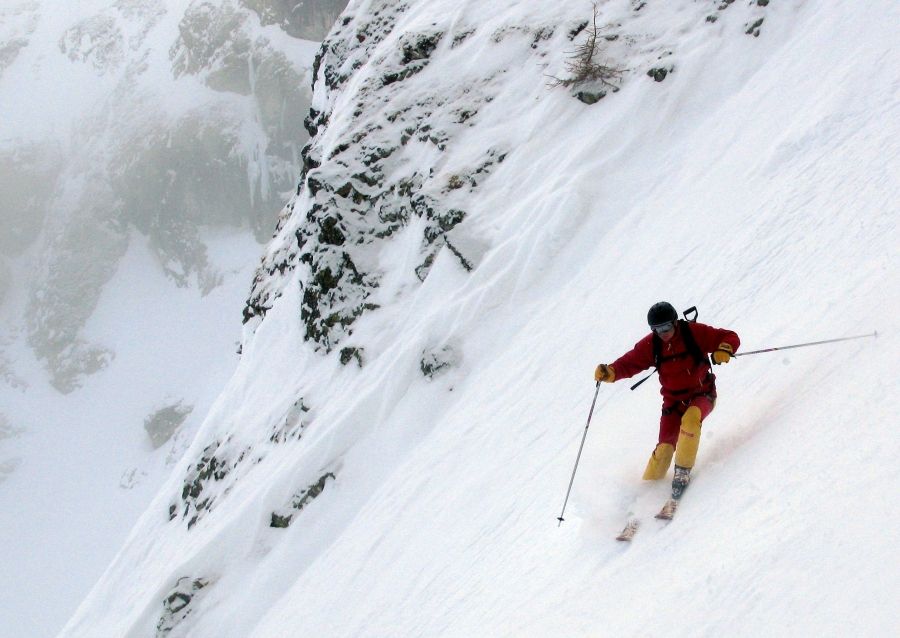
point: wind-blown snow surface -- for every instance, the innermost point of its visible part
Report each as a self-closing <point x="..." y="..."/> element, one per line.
<point x="759" y="181"/>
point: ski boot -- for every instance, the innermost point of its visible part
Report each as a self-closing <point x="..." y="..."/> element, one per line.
<point x="679" y="485"/>
<point x="680" y="482"/>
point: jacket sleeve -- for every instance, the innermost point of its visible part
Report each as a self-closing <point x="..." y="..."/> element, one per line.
<point x="635" y="360"/>
<point x="709" y="338"/>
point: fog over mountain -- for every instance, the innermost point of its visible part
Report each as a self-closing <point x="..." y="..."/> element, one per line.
<point x="135" y="116"/>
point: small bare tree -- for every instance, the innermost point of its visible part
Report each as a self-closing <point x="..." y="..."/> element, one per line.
<point x="582" y="66"/>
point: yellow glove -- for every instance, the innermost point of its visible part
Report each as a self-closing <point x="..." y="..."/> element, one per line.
<point x="723" y="353"/>
<point x="604" y="373"/>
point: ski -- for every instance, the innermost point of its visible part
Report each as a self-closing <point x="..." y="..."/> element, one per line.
<point x="667" y="513"/>
<point x="680" y="482"/>
<point x="631" y="528"/>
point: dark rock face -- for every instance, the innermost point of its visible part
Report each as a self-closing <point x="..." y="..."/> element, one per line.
<point x="284" y="517"/>
<point x="225" y="460"/>
<point x="309" y="19"/>
<point x="436" y="360"/>
<point x="163" y="423"/>
<point x="659" y="73"/>
<point x="177" y="605"/>
<point x="352" y="197"/>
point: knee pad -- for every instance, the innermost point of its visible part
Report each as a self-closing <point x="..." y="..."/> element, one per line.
<point x="688" y="438"/>
<point x="659" y="462"/>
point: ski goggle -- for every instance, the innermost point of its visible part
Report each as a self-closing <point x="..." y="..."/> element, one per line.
<point x="663" y="327"/>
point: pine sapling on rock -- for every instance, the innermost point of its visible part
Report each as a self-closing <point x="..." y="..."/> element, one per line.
<point x="584" y="70"/>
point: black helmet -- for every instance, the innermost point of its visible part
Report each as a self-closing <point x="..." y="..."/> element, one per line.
<point x="661" y="313"/>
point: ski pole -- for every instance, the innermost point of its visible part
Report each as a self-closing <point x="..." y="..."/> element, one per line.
<point x="578" y="458"/>
<point x="796" y="345"/>
<point x="802" y="345"/>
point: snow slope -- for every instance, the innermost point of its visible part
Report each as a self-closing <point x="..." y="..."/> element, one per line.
<point x="758" y="180"/>
<point x="82" y="467"/>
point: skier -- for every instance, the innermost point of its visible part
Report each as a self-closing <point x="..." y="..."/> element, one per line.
<point x="679" y="350"/>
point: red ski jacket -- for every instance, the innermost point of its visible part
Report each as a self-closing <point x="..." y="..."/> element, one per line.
<point x="680" y="375"/>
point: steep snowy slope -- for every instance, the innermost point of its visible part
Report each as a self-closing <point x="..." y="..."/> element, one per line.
<point x="467" y="243"/>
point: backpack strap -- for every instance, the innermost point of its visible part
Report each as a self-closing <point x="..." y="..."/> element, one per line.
<point x="657" y="350"/>
<point x="691" y="343"/>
